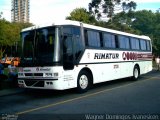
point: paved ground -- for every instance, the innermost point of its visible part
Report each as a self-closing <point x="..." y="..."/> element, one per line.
<point x="124" y="98"/>
<point x="7" y="92"/>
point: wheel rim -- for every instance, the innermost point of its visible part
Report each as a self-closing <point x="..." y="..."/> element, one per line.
<point x="83" y="81"/>
<point x="136" y="73"/>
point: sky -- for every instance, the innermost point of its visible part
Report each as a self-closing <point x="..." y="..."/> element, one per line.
<point x="44" y="11"/>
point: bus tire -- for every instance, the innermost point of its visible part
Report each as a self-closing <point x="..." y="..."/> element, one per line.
<point x="136" y="73"/>
<point x="83" y="81"/>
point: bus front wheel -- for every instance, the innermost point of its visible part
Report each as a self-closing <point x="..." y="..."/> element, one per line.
<point x="83" y="81"/>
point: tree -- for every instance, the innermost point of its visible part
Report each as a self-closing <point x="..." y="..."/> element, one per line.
<point x="1" y="14"/>
<point x="144" y="23"/>
<point x="124" y="18"/>
<point x="156" y="35"/>
<point x="107" y="8"/>
<point x="81" y="14"/>
<point x="10" y="34"/>
<point x="129" y="6"/>
<point x="3" y="36"/>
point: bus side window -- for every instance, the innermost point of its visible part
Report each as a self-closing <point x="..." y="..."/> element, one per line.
<point x="67" y="48"/>
<point x="109" y="40"/>
<point x="93" y="38"/>
<point x="78" y="47"/>
<point x="124" y="42"/>
<point x="143" y="44"/>
<point x="148" y="45"/>
<point x="68" y="52"/>
<point x="77" y="41"/>
<point x="135" y="45"/>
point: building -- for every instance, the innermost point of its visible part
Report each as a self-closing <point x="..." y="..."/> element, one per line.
<point x="20" y="10"/>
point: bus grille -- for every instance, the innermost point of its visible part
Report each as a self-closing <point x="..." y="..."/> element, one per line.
<point x="34" y="83"/>
<point x="34" y="74"/>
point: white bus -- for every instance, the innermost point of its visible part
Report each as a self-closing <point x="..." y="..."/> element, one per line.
<point x="72" y="54"/>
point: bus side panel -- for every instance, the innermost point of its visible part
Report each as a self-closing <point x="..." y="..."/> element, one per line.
<point x="104" y="72"/>
<point x="111" y="64"/>
<point x="145" y="67"/>
<point x="126" y="69"/>
<point x="111" y="71"/>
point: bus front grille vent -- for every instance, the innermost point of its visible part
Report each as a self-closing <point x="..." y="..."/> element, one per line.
<point x="34" y="83"/>
<point x="34" y="74"/>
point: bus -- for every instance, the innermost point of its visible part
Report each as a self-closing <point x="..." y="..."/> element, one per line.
<point x="71" y="54"/>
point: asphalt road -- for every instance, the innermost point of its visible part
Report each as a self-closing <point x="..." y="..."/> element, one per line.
<point x="121" y="99"/>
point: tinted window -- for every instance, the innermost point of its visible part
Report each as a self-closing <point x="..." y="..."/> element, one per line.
<point x="68" y="52"/>
<point x="67" y="30"/>
<point x="143" y="45"/>
<point x="39" y="44"/>
<point x="93" y="39"/>
<point x="148" y="45"/>
<point x="109" y="40"/>
<point x="67" y="47"/>
<point x="124" y="42"/>
<point x="73" y="33"/>
<point x="76" y="31"/>
<point x="78" y="46"/>
<point x="135" y="44"/>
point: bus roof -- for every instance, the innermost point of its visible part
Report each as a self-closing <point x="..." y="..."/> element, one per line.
<point x="76" y="23"/>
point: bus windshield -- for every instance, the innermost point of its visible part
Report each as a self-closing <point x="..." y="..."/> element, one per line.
<point x="39" y="47"/>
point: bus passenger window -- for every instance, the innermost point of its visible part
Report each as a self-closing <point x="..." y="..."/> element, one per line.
<point x="135" y="44"/>
<point x="148" y="45"/>
<point x="143" y="45"/>
<point x="78" y="46"/>
<point x="93" y="39"/>
<point x="67" y="48"/>
<point x="68" y="52"/>
<point x="109" y="40"/>
<point x="123" y="42"/>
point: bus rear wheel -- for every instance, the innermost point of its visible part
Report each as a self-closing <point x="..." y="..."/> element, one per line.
<point x="83" y="81"/>
<point x="136" y="73"/>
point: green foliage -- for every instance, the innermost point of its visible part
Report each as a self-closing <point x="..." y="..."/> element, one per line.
<point x="142" y="22"/>
<point x="81" y="14"/>
<point x="148" y="23"/>
<point x="107" y="8"/>
<point x="9" y="34"/>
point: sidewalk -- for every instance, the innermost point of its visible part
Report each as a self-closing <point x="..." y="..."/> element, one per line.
<point x="11" y="91"/>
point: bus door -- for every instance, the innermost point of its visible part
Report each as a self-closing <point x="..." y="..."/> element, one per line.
<point x="68" y="54"/>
